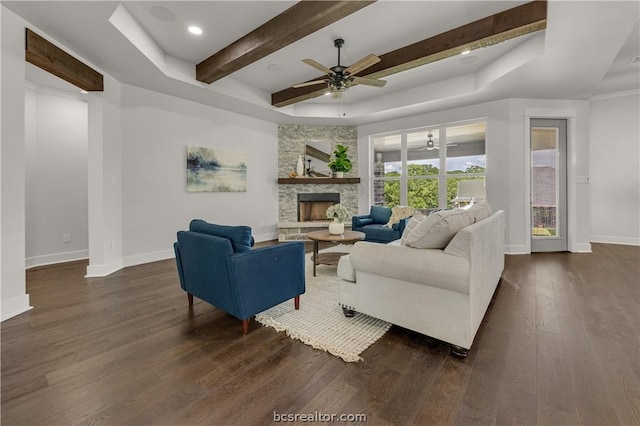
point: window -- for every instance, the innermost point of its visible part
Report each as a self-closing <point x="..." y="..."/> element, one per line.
<point x="421" y="168"/>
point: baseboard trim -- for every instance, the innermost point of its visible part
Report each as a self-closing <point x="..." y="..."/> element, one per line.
<point x="581" y="248"/>
<point x="154" y="256"/>
<point x="51" y="259"/>
<point x="96" y="271"/>
<point x="609" y="239"/>
<point x="139" y="259"/>
<point x="266" y="237"/>
<point x="515" y="250"/>
<point x="15" y="306"/>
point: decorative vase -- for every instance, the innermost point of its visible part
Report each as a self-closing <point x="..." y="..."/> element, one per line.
<point x="300" y="166"/>
<point x="339" y="174"/>
<point x="336" y="228"/>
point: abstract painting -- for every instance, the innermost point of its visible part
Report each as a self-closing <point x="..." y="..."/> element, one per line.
<point x="212" y="170"/>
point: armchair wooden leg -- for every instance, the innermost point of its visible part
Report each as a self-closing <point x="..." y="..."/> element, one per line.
<point x="245" y="326"/>
<point x="296" y="302"/>
<point x="190" y="298"/>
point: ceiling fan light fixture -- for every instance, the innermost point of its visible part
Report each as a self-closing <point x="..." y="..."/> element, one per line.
<point x="338" y="85"/>
<point x="430" y="144"/>
<point x="339" y="78"/>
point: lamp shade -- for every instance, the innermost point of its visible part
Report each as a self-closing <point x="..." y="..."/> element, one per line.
<point x="473" y="189"/>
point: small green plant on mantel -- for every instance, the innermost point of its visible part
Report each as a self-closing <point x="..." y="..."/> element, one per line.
<point x="341" y="162"/>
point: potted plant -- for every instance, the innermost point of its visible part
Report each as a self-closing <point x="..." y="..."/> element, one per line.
<point x="339" y="214"/>
<point x="340" y="163"/>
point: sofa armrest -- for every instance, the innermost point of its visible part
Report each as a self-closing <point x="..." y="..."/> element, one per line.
<point x="431" y="267"/>
<point x="360" y="221"/>
<point x="268" y="276"/>
<point x="401" y="225"/>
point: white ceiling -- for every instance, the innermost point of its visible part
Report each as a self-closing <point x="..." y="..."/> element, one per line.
<point x="584" y="52"/>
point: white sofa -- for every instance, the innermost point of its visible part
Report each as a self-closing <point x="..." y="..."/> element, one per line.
<point x="442" y="293"/>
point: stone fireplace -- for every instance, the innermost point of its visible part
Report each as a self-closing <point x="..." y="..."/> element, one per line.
<point x="290" y="225"/>
<point x="313" y="206"/>
<point x="303" y="202"/>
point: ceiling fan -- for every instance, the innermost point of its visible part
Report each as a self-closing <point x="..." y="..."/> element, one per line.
<point x="339" y="78"/>
<point x="431" y="145"/>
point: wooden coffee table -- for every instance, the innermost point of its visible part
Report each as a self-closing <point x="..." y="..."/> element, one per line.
<point x="346" y="237"/>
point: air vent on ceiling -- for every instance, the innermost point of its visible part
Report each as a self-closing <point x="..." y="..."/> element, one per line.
<point x="634" y="60"/>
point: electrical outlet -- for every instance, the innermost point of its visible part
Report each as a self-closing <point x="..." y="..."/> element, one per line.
<point x="66" y="238"/>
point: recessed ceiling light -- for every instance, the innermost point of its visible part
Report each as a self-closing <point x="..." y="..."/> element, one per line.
<point x="274" y="67"/>
<point x="327" y="93"/>
<point x="465" y="52"/>
<point x="84" y="92"/>
<point x="195" y="30"/>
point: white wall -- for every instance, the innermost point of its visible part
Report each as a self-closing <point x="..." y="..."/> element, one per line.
<point x="12" y="178"/>
<point x="507" y="168"/>
<point x="156" y="130"/>
<point x="56" y="173"/>
<point x="105" y="179"/>
<point x="615" y="169"/>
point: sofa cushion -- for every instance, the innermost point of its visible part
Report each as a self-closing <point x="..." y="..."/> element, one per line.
<point x="379" y="232"/>
<point x="380" y="214"/>
<point x="240" y="236"/>
<point x="417" y="219"/>
<point x="439" y="228"/>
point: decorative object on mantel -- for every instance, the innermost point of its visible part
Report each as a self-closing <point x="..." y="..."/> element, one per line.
<point x="292" y="174"/>
<point x="300" y="166"/>
<point x="339" y="214"/>
<point x="341" y="162"/>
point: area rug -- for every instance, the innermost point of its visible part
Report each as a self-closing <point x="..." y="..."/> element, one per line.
<point x="320" y="322"/>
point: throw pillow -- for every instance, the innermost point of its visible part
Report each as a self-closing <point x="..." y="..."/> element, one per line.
<point x="398" y="213"/>
<point x="240" y="236"/>
<point x="439" y="228"/>
<point x="481" y="210"/>
<point x="415" y="220"/>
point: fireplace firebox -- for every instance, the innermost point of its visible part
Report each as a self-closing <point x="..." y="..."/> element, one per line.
<point x="313" y="206"/>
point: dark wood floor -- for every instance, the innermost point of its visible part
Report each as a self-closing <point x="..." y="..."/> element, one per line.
<point x="559" y="345"/>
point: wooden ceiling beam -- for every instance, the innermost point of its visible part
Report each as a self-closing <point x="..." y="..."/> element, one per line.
<point x="300" y="20"/>
<point x="51" y="58"/>
<point x="515" y="22"/>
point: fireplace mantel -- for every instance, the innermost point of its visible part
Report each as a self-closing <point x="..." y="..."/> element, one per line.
<point x="318" y="181"/>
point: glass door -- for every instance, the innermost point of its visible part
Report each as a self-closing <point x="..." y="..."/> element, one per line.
<point x="548" y="185"/>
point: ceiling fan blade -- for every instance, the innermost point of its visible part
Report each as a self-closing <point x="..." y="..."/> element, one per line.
<point x="317" y="66"/>
<point x="308" y="83"/>
<point x="363" y="63"/>
<point x="369" y="81"/>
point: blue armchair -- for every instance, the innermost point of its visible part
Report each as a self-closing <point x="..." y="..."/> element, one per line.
<point x="373" y="225"/>
<point x="217" y="265"/>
